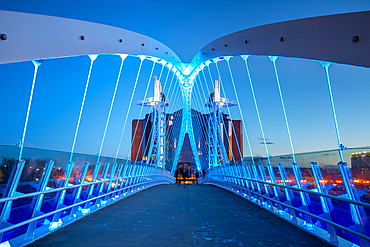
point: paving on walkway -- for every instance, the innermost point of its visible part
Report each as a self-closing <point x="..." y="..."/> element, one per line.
<point x="169" y="215"/>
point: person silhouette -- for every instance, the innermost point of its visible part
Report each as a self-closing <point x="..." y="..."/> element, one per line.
<point x="197" y="176"/>
<point x="184" y="173"/>
<point x="177" y="176"/>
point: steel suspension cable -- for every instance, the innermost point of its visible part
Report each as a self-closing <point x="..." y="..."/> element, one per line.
<point x="123" y="57"/>
<point x="204" y="107"/>
<point x="176" y="97"/>
<point x="129" y="107"/>
<point x="209" y="71"/>
<point x="21" y="144"/>
<point x="169" y="89"/>
<point x="228" y="110"/>
<point x="240" y="111"/>
<point x="160" y="75"/>
<point x="340" y="145"/>
<point x="256" y="107"/>
<point x="92" y="59"/>
<point x="165" y="82"/>
<point x="273" y="60"/>
<point x="172" y="104"/>
<point x="205" y="80"/>
<point x="168" y="92"/>
<point x="201" y="123"/>
<point x="204" y="95"/>
<point x="198" y="123"/>
<point x="141" y="109"/>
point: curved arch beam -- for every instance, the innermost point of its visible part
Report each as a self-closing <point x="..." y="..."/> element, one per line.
<point x="33" y="37"/>
<point x="324" y="38"/>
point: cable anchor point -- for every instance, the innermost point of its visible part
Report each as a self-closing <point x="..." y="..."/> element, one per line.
<point x="342" y="147"/>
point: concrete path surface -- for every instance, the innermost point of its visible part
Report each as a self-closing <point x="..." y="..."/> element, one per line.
<point x="169" y="215"/>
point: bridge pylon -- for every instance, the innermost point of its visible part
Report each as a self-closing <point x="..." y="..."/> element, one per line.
<point x="216" y="149"/>
<point x="156" y="153"/>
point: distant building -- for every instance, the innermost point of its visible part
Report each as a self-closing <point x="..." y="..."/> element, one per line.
<point x="360" y="163"/>
<point x="139" y="149"/>
<point x="232" y="137"/>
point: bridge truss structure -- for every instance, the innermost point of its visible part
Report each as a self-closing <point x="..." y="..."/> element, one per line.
<point x="157" y="152"/>
<point x="338" y="39"/>
<point x="216" y="148"/>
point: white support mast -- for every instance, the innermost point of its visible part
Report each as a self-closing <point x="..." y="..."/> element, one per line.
<point x="216" y="149"/>
<point x="156" y="153"/>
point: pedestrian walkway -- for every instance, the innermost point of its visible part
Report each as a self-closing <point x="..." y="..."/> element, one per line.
<point x="171" y="215"/>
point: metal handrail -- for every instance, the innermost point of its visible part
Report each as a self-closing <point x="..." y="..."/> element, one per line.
<point x="302" y="211"/>
<point x="364" y="204"/>
<point x="68" y="207"/>
<point x="73" y="186"/>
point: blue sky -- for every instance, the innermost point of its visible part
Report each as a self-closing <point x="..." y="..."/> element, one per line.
<point x="185" y="27"/>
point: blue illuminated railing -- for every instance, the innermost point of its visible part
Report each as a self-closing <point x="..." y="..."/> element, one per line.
<point x="29" y="216"/>
<point x="327" y="216"/>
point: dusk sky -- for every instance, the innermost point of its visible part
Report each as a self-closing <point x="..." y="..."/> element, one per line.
<point x="185" y="27"/>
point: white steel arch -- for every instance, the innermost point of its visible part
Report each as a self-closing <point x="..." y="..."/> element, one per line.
<point x="341" y="38"/>
<point x="26" y="37"/>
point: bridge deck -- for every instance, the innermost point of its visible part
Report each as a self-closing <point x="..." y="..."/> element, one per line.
<point x="169" y="215"/>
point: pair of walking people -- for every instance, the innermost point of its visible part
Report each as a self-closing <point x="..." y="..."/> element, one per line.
<point x="183" y="173"/>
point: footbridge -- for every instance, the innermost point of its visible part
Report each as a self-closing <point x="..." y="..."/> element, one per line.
<point x="84" y="163"/>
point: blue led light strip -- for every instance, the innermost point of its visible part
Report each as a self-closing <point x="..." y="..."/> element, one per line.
<point x="240" y="111"/>
<point x="273" y="60"/>
<point x="21" y="144"/>
<point x="92" y="59"/>
<point x="123" y="57"/>
<point x="129" y="106"/>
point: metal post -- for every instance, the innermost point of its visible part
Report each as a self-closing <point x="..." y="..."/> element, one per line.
<point x="35" y="206"/>
<point x="10" y="189"/>
<point x="77" y="191"/>
<point x="59" y="198"/>
<point x="327" y="206"/>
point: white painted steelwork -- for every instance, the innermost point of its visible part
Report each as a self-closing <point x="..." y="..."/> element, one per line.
<point x="156" y="153"/>
<point x="341" y="38"/>
<point x="33" y="37"/>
